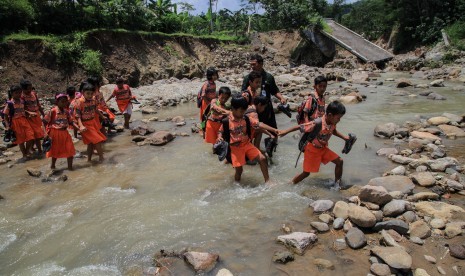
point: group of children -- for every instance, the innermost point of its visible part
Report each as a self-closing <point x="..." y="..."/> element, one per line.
<point x="241" y="129"/>
<point x="84" y="112"/>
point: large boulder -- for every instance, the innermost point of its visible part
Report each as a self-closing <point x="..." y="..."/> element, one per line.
<point x="360" y="77"/>
<point x="424" y="179"/>
<point x="437" y="209"/>
<point x="341" y="210"/>
<point x="355" y="238"/>
<point x="160" y="138"/>
<point x="424" y="136"/>
<point x="386" y="130"/>
<point x="201" y="261"/>
<point x="401" y="83"/>
<point x="375" y="194"/>
<point x="395" y="257"/>
<point x="420" y="229"/>
<point x="452" y="131"/>
<point x="298" y="241"/>
<point x="361" y="216"/>
<point x="437" y="83"/>
<point x="322" y="205"/>
<point x="440" y="120"/>
<point x="394" y="208"/>
<point x="394" y="183"/>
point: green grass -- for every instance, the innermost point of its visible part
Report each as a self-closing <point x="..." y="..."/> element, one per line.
<point x="456" y="33"/>
<point x="23" y="36"/>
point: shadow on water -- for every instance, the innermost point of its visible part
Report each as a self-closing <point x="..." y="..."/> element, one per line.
<point x="108" y="217"/>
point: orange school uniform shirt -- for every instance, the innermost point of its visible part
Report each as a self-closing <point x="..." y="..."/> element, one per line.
<point x="31" y="102"/>
<point x="123" y="97"/>
<point x="320" y="110"/>
<point x="58" y="119"/>
<point x="322" y="139"/>
<point x="19" y="109"/>
<point x="215" y="114"/>
<point x="238" y="130"/>
<point x="86" y="109"/>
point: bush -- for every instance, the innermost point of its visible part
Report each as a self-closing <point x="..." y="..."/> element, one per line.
<point x="15" y="15"/>
<point x="456" y="33"/>
<point x="91" y="63"/>
<point x="69" y="51"/>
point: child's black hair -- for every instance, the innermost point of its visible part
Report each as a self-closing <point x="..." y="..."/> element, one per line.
<point x="320" y="79"/>
<point x="12" y="89"/>
<point x="254" y="75"/>
<point x="70" y="90"/>
<point x="87" y="87"/>
<point x="257" y="57"/>
<point x="25" y="84"/>
<point x="119" y="80"/>
<point x="211" y="71"/>
<point x="239" y="102"/>
<point x="224" y="90"/>
<point x="263" y="100"/>
<point x="94" y="80"/>
<point x="336" y="108"/>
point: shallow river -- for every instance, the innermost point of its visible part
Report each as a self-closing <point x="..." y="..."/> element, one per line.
<point x="110" y="219"/>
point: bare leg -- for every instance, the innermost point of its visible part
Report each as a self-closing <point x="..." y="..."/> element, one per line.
<point x="90" y="151"/>
<point x="258" y="139"/>
<point x="70" y="163"/>
<point x="39" y="146"/>
<point x="23" y="150"/>
<point x="263" y="166"/>
<point x="75" y="132"/>
<point x="99" y="149"/>
<point x="338" y="170"/>
<point x="127" y="117"/>
<point x="54" y="161"/>
<point x="237" y="175"/>
<point x="29" y="145"/>
<point x="300" y="177"/>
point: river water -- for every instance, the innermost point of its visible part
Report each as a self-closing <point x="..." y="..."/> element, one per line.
<point x="110" y="219"/>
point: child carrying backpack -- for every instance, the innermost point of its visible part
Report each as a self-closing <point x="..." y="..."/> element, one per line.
<point x="208" y="91"/>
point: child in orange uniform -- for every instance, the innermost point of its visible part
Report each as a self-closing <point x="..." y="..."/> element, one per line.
<point x="208" y="90"/>
<point x="15" y="119"/>
<point x="217" y="113"/>
<point x="101" y="104"/>
<point x="316" y="100"/>
<point x="58" y="120"/>
<point x="123" y="95"/>
<point x="35" y="110"/>
<point x="72" y="100"/>
<point x="86" y="115"/>
<point x="238" y="127"/>
<point x="317" y="150"/>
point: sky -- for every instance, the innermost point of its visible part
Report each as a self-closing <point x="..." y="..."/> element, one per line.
<point x="233" y="5"/>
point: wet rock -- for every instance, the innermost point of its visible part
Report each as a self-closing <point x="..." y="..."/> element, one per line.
<point x="424" y="196"/>
<point x="399" y="159"/>
<point x="453" y="118"/>
<point x="283" y="257"/>
<point x="361" y="216"/>
<point x="388" y="239"/>
<point x="401" y="83"/>
<point x="420" y="272"/>
<point x="298" y="241"/>
<point x="341" y="210"/>
<point x="338" y="223"/>
<point x="201" y="261"/>
<point x="395" y="257"/>
<point x="394" y="183"/>
<point x="398" y="225"/>
<point x="437" y="223"/>
<point x="416" y="144"/>
<point x="375" y="194"/>
<point x="322" y="263"/>
<point x="425" y="136"/>
<point x="325" y="218"/>
<point x="454" y="184"/>
<point x="34" y="172"/>
<point x="436" y="97"/>
<point x="160" y="138"/>
<point x="457" y="251"/>
<point x="436" y="209"/>
<point x="417" y="240"/>
<point x="441" y="164"/>
<point x="441" y="270"/>
<point x="380" y="269"/>
<point x="430" y="259"/>
<point x="322" y="205"/>
<point x="148" y="110"/>
<point x="440" y="120"/>
<point x="437" y="83"/>
<point x="224" y="272"/>
<point x="399" y="170"/>
<point x="452" y="131"/>
<point x="3" y="161"/>
<point x="178" y="119"/>
<point x="355" y="238"/>
<point x="424" y="179"/>
<point x="387" y="151"/>
<point x="453" y="230"/>
<point x="385" y="130"/>
<point x="339" y="244"/>
<point x="350" y="99"/>
<point x="139" y="138"/>
<point x="394" y="208"/>
<point x="320" y="226"/>
<point x="420" y="229"/>
<point x="370" y="206"/>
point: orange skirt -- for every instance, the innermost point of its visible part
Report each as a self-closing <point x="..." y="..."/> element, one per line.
<point x="37" y="126"/>
<point x="22" y="129"/>
<point x="211" y="131"/>
<point x="62" y="144"/>
<point x="92" y="135"/>
<point x="123" y="104"/>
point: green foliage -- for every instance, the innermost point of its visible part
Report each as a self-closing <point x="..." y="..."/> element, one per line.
<point x="287" y="14"/>
<point x="68" y="51"/>
<point x="317" y="22"/>
<point x="456" y="33"/>
<point x="15" y="15"/>
<point x="91" y="63"/>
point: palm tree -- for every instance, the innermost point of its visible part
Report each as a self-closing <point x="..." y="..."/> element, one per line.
<point x="161" y="7"/>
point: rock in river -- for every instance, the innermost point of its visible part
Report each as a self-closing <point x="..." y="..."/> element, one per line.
<point x="395" y="257"/>
<point x="361" y="216"/>
<point x="394" y="183"/>
<point x="201" y="261"/>
<point x="355" y="238"/>
<point x="298" y="241"/>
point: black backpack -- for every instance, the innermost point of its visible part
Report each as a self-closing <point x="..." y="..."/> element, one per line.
<point x="227" y="135"/>
<point x="199" y="95"/>
<point x="308" y="137"/>
<point x="11" y="108"/>
<point x="302" y="112"/>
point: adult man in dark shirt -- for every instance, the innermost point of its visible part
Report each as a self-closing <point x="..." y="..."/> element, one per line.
<point x="268" y="89"/>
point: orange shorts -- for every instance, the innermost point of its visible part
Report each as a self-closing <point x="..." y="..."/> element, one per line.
<point x="211" y="131"/>
<point x="313" y="157"/>
<point x="238" y="154"/>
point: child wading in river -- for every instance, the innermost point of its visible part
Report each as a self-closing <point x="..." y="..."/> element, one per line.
<point x="15" y="120"/>
<point x="236" y="130"/>
<point x="34" y="111"/>
<point x="72" y="101"/>
<point x="316" y="150"/>
<point x="58" y="120"/>
<point x="216" y="114"/>
<point x="123" y="96"/>
<point x="86" y="115"/>
<point x="208" y="91"/>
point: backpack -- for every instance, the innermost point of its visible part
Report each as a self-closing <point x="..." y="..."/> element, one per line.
<point x="199" y="95"/>
<point x="11" y="108"/>
<point x="205" y="115"/>
<point x="227" y="135"/>
<point x="302" y="112"/>
<point x="308" y="137"/>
